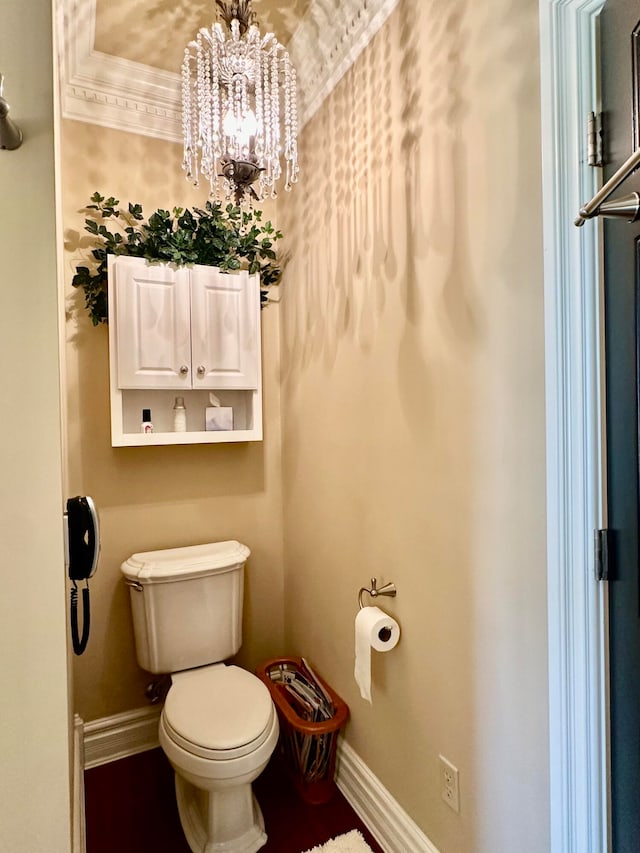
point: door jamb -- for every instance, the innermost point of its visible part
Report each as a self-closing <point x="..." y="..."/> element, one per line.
<point x="576" y="482"/>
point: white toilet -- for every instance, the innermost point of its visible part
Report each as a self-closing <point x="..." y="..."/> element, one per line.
<point x="218" y="726"/>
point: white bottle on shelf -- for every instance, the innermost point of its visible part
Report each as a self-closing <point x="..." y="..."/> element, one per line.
<point x="179" y="415"/>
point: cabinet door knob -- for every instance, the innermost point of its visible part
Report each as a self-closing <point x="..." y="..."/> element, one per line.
<point x="201" y="371"/>
<point x="184" y="370"/>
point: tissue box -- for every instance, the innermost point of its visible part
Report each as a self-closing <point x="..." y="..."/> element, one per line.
<point x="218" y="418"/>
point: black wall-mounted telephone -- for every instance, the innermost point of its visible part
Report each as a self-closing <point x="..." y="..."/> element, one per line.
<point x="82" y="547"/>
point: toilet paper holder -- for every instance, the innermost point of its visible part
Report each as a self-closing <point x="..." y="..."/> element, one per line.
<point x="388" y="589"/>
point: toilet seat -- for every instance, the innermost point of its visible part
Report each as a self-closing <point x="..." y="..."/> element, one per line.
<point x="218" y="712"/>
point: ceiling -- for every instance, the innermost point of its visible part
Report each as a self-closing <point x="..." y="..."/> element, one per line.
<point x="120" y="59"/>
<point x="156" y="32"/>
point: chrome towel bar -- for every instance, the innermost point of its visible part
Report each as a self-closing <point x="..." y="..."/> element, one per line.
<point x="627" y="207"/>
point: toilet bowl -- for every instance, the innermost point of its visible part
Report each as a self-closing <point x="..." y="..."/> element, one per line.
<point x="218" y="729"/>
<point x="218" y="726"/>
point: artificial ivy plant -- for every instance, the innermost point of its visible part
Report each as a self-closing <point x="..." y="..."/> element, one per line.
<point x="224" y="237"/>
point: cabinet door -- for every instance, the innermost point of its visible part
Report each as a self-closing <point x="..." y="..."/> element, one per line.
<point x="225" y="328"/>
<point x="152" y="324"/>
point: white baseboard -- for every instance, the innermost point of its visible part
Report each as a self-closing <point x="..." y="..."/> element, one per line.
<point x="116" y="737"/>
<point x="387" y="821"/>
<point x="111" y="738"/>
<point x="78" y="826"/>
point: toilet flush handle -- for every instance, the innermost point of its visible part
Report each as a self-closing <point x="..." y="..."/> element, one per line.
<point x="135" y="584"/>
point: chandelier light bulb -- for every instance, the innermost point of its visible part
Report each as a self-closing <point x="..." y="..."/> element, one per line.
<point x="240" y="128"/>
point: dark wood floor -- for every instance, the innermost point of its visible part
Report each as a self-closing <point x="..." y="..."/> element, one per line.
<point x="131" y="808"/>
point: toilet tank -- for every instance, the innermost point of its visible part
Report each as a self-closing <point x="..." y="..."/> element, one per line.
<point x="186" y="604"/>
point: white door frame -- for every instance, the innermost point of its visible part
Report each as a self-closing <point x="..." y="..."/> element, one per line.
<point x="578" y="716"/>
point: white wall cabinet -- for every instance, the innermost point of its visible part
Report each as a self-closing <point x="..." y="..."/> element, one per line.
<point x="182" y="331"/>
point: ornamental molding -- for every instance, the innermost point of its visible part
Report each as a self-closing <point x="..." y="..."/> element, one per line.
<point x="329" y="39"/>
<point x="114" y="92"/>
<point x="108" y="90"/>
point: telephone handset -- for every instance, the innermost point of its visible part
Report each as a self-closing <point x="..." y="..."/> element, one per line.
<point x="82" y="547"/>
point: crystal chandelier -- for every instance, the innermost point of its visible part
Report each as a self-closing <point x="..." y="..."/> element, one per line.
<point x="239" y="112"/>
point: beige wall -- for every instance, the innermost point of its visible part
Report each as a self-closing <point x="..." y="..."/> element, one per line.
<point x="413" y="412"/>
<point x="164" y="496"/>
<point x="34" y="705"/>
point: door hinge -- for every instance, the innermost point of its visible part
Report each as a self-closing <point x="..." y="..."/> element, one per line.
<point x="594" y="139"/>
<point x="601" y="554"/>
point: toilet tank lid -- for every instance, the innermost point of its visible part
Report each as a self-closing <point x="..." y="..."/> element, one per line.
<point x="190" y="561"/>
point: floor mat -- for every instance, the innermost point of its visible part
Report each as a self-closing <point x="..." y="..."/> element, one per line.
<point x="352" y="842"/>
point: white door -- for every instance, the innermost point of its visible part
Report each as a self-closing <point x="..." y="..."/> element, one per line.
<point x="152" y="325"/>
<point x="225" y="328"/>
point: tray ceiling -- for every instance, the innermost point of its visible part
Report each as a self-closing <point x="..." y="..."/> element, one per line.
<point x="120" y="59"/>
<point x="155" y="33"/>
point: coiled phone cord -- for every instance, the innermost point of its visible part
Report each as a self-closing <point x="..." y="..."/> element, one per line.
<point x="80" y="643"/>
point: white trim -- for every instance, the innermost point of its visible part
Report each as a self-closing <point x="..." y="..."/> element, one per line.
<point x="114" y="92"/>
<point x="575" y="458"/>
<point x="387" y="821"/>
<point x="111" y="738"/>
<point x="108" y="90"/>
<point x="79" y="823"/>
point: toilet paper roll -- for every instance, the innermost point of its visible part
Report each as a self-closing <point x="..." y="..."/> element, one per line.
<point x="374" y="630"/>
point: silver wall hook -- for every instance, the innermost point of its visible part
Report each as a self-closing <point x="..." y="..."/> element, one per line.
<point x="10" y="133"/>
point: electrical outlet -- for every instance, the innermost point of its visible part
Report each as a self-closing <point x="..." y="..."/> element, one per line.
<point x="449" y="784"/>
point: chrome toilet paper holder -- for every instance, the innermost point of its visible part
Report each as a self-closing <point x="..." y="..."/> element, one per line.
<point x="388" y="589"/>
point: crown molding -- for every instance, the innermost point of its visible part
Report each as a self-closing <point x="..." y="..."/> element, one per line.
<point x="108" y="90"/>
<point x="114" y="92"/>
<point x="327" y="42"/>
